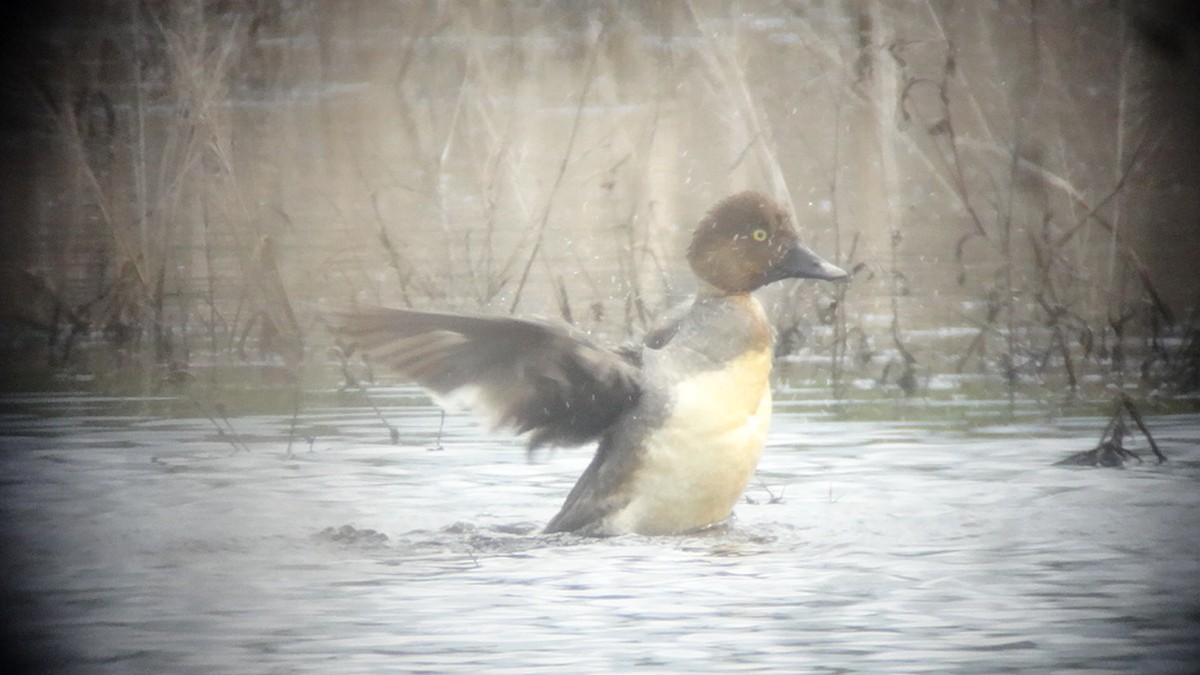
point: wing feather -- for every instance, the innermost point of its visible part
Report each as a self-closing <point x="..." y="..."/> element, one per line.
<point x="530" y="376"/>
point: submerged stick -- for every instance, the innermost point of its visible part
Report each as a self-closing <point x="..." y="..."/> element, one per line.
<point x="1127" y="404"/>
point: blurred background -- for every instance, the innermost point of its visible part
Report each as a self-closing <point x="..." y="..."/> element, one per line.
<point x="190" y="186"/>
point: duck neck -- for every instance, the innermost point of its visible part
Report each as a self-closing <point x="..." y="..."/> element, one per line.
<point x="707" y="291"/>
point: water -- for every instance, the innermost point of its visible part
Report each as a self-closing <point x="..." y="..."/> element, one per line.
<point x="143" y="542"/>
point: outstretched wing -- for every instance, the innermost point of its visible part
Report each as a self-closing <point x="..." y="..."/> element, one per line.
<point x="526" y="375"/>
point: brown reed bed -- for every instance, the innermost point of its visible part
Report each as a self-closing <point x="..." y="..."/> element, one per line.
<point x="224" y="174"/>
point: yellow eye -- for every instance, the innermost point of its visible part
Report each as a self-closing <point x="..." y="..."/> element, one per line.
<point x="760" y="235"/>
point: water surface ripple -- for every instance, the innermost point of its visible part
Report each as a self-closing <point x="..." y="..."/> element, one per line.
<point x="140" y="544"/>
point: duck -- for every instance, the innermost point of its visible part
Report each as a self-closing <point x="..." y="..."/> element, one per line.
<point x="679" y="421"/>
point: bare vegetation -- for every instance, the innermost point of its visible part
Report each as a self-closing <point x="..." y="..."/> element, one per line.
<point x="215" y="176"/>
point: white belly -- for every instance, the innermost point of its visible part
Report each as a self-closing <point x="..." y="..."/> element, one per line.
<point x="695" y="468"/>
